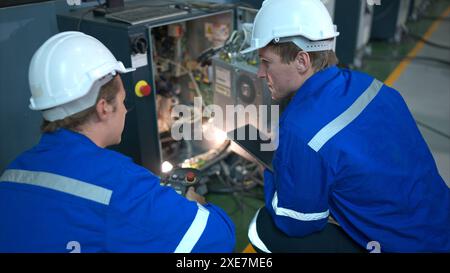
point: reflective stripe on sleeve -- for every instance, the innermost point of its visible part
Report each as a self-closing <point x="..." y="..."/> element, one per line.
<point x="340" y="122"/>
<point x="295" y="214"/>
<point x="59" y="183"/>
<point x="194" y="232"/>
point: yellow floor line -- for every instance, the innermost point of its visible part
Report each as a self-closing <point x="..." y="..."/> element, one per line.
<point x="249" y="249"/>
<point x="405" y="62"/>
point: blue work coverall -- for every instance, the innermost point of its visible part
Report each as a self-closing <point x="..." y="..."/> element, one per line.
<point x="68" y="195"/>
<point x="349" y="148"/>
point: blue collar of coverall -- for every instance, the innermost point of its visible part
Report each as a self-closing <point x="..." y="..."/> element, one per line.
<point x="63" y="136"/>
<point x="311" y="85"/>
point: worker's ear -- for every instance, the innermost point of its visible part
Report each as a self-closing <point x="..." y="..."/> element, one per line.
<point x="103" y="109"/>
<point x="302" y="62"/>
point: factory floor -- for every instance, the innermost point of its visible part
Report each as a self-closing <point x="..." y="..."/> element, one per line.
<point x="423" y="83"/>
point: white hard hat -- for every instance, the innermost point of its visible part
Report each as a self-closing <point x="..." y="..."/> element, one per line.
<point x="307" y="23"/>
<point x="66" y="74"/>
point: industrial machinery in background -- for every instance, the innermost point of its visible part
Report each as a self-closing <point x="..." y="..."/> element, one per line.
<point x="171" y="45"/>
<point x="236" y="82"/>
<point x="237" y="87"/>
<point x="354" y="21"/>
<point x="162" y="41"/>
<point x="417" y="8"/>
<point x="389" y="20"/>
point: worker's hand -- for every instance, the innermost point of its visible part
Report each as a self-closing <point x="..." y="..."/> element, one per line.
<point x="193" y="196"/>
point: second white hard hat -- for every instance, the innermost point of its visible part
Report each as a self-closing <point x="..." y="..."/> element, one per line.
<point x="66" y="73"/>
<point x="307" y="23"/>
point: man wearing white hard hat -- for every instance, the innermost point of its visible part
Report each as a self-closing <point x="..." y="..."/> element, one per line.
<point x="352" y="172"/>
<point x="69" y="193"/>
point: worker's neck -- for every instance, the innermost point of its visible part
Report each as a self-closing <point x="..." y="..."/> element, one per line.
<point x="301" y="81"/>
<point x="96" y="132"/>
<point x="308" y="74"/>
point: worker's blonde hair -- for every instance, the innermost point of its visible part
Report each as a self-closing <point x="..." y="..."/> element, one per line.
<point x="288" y="52"/>
<point x="108" y="92"/>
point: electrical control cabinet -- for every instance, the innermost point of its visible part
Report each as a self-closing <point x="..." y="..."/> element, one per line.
<point x="163" y="42"/>
<point x="236" y="84"/>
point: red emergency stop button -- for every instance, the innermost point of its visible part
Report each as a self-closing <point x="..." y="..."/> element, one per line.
<point x="190" y="177"/>
<point x="142" y="89"/>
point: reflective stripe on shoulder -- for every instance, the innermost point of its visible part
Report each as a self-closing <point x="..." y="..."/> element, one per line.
<point x="59" y="183"/>
<point x="194" y="232"/>
<point x="254" y="237"/>
<point x="340" y="122"/>
<point x="295" y="214"/>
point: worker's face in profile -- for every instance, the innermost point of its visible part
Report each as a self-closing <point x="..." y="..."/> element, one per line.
<point x="118" y="116"/>
<point x="280" y="77"/>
